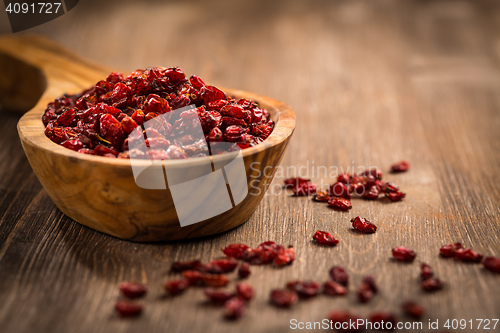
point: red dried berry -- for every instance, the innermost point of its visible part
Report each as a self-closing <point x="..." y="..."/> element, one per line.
<point x="333" y="288"/>
<point x="221" y="266"/>
<point x="325" y="238"/>
<point x="176" y="287"/>
<point x="448" y="251"/>
<point x="283" y="298"/>
<point x="386" y="320"/>
<point x="400" y="166"/>
<point x="492" y="264"/>
<point x="180" y="266"/>
<point x="339" y="204"/>
<point x="467" y="255"/>
<point x="305" y="289"/>
<point x="235" y="250"/>
<point x="389" y="188"/>
<point x="369" y="280"/>
<point x="375" y="173"/>
<point x="193" y="277"/>
<point x="340" y="190"/>
<point x="413" y="309"/>
<point x="234" y="308"/>
<point x="245" y="291"/>
<point x="218" y="296"/>
<point x="284" y="256"/>
<point x="363" y="225"/>
<point x="294" y="182"/>
<point x="304" y="189"/>
<point x="365" y="293"/>
<point x="431" y="285"/>
<point x="343" y="178"/>
<point x="371" y="193"/>
<point x="214" y="280"/>
<point x="402" y="253"/>
<point x="395" y="196"/>
<point x="426" y="272"/>
<point x="133" y="289"/>
<point x="128" y="308"/>
<point x="339" y="275"/>
<point x="244" y="271"/>
<point x="321" y="196"/>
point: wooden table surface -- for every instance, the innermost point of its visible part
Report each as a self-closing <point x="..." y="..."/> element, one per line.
<point x="372" y="82"/>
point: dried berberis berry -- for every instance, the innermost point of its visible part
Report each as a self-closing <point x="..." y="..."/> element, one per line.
<point x="448" y="251"/>
<point x="339" y="203"/>
<point x="340" y="190"/>
<point x="128" y="308"/>
<point x="369" y="280"/>
<point x="467" y="255"/>
<point x="244" y="271"/>
<point x="363" y="225"/>
<point x="386" y="320"/>
<point x="426" y="272"/>
<point x="180" y="266"/>
<point x="176" y="287"/>
<point x="339" y="275"/>
<point x="284" y="256"/>
<point x="283" y="298"/>
<point x="402" y="253"/>
<point x="333" y="288"/>
<point x="304" y="189"/>
<point x="133" y="289"/>
<point x="321" y="196"/>
<point x="346" y="322"/>
<point x="235" y="250"/>
<point x="193" y="277"/>
<point x="325" y="238"/>
<point x="245" y="291"/>
<point x="234" y="308"/>
<point x="218" y="296"/>
<point x="413" y="309"/>
<point x="492" y="264"/>
<point x="221" y="266"/>
<point x="432" y="284"/>
<point x="365" y="293"/>
<point x="214" y="280"/>
<point x="400" y="166"/>
<point x="305" y="289"/>
<point x="396" y="196"/>
<point x="294" y="182"/>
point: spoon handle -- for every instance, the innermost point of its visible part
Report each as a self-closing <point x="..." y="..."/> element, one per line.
<point x="36" y="69"/>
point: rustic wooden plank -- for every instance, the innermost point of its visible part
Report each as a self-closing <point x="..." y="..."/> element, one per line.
<point x="371" y="83"/>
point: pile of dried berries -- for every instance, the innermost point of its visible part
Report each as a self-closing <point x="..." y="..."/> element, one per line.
<point x="102" y="120"/>
<point x="367" y="185"/>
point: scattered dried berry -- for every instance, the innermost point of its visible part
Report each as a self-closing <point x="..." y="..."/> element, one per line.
<point x="400" y="166"/>
<point x="218" y="296"/>
<point x="395" y="196"/>
<point x="325" y="238"/>
<point x="234" y="308"/>
<point x="432" y="284"/>
<point x="180" y="266"/>
<point x="128" y="309"/>
<point x="176" y="287"/>
<point x="413" y="310"/>
<point x="284" y="256"/>
<point x="448" y="251"/>
<point x="235" y="250"/>
<point x="333" y="288"/>
<point x="214" y="280"/>
<point x="321" y="196"/>
<point x="305" y="289"/>
<point x="245" y="291"/>
<point x="283" y="298"/>
<point x="339" y="203"/>
<point x="221" y="266"/>
<point x="133" y="289"/>
<point x="346" y="322"/>
<point x="304" y="189"/>
<point x="365" y="293"/>
<point x="492" y="264"/>
<point x="467" y="255"/>
<point x="244" y="270"/>
<point x="369" y="280"/>
<point x="193" y="277"/>
<point x="340" y="190"/>
<point x="363" y="225"/>
<point x="386" y="320"/>
<point x="294" y="182"/>
<point x="339" y="275"/>
<point x="426" y="272"/>
<point x="402" y="253"/>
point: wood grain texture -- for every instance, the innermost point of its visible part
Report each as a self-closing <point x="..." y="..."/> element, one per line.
<point x="371" y="82"/>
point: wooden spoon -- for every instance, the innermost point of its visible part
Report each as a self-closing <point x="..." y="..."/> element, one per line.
<point x="101" y="192"/>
